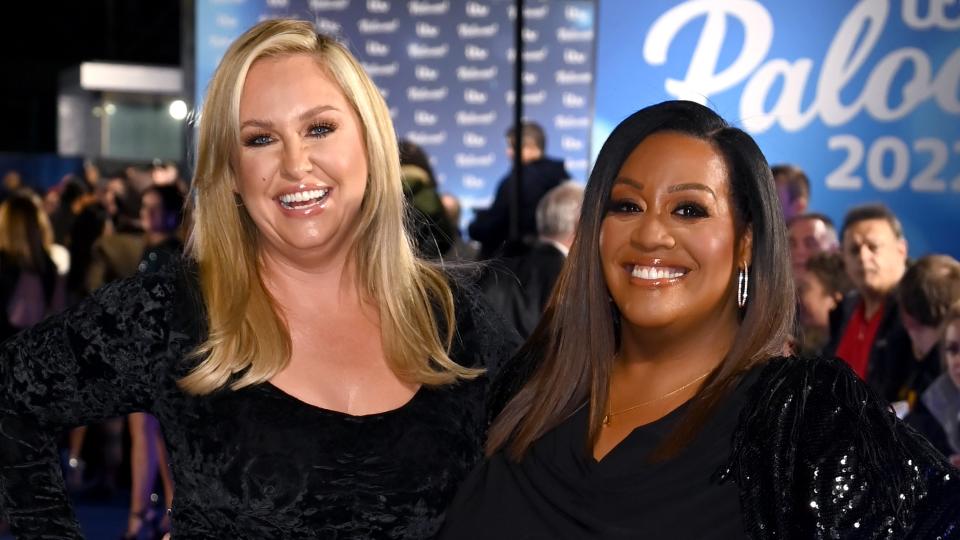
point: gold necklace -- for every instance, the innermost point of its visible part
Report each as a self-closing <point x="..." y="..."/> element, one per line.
<point x="606" y="417"/>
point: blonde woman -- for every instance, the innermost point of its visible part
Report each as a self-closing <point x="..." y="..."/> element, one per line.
<point x="30" y="284"/>
<point x="305" y="367"/>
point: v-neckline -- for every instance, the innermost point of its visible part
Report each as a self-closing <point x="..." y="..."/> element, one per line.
<point x="605" y="459"/>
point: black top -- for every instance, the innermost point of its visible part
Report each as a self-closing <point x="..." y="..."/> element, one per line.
<point x="252" y="463"/>
<point x="491" y="226"/>
<point x="560" y="491"/>
<point x="519" y="287"/>
<point x="161" y="255"/>
<point x="814" y="454"/>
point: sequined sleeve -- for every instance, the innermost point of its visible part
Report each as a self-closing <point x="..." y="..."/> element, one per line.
<point x="98" y="360"/>
<point x="818" y="455"/>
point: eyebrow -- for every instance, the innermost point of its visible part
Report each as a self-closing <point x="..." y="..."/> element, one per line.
<point x="672" y="189"/>
<point x="629" y="181"/>
<point x="303" y="117"/>
<point x="685" y="187"/>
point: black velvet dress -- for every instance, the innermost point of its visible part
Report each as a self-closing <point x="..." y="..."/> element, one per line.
<point x="253" y="463"/>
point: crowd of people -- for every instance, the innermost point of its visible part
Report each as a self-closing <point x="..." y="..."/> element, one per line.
<point x="305" y="346"/>
<point x="861" y="299"/>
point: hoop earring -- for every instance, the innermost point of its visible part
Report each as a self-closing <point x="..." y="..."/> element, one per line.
<point x="743" y="285"/>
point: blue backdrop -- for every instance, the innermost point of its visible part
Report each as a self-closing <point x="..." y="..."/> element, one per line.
<point x="445" y="68"/>
<point x="864" y="96"/>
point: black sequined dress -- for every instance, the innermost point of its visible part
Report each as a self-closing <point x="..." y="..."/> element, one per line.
<point x="253" y="463"/>
<point x="800" y="449"/>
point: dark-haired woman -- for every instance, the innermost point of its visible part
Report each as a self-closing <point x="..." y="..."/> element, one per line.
<point x="652" y="402"/>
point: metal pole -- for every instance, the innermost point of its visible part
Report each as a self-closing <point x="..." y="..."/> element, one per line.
<point x="188" y="66"/>
<point x="517" y="130"/>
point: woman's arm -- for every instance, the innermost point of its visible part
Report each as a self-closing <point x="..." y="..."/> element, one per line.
<point x="817" y="453"/>
<point x="105" y="357"/>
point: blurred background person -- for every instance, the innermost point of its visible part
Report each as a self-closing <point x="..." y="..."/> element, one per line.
<point x="161" y="214"/>
<point x="90" y="225"/>
<point x="793" y="189"/>
<point x="429" y="224"/>
<point x="810" y="234"/>
<point x="30" y="285"/>
<point x="12" y="182"/>
<point x="927" y="291"/>
<point x="491" y="227"/>
<point x="460" y="250"/>
<point x="820" y="289"/>
<point x="73" y="195"/>
<point x="519" y="287"/>
<point x="117" y="252"/>
<point x="865" y="330"/>
<point x="91" y="174"/>
<point x="937" y="413"/>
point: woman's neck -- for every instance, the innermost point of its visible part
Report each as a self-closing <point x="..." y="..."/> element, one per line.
<point x="677" y="352"/>
<point x="296" y="287"/>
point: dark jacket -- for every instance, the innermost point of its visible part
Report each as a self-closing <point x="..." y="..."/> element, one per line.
<point x="518" y="288"/>
<point x="491" y="227"/>
<point x="920" y="374"/>
<point x="891" y="353"/>
<point x="937" y="415"/>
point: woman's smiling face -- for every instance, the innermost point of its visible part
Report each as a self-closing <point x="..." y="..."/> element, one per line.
<point x="668" y="243"/>
<point x="301" y="163"/>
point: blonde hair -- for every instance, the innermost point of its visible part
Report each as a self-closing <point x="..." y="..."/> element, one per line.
<point x="246" y="336"/>
<point x="25" y="231"/>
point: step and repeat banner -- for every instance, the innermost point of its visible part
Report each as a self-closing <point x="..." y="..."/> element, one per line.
<point x="864" y="96"/>
<point x="445" y="68"/>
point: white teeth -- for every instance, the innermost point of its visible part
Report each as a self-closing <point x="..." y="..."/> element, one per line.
<point x="654" y="272"/>
<point x="302" y="196"/>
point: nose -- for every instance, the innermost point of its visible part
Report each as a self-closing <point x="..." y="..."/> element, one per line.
<point x="295" y="162"/>
<point x="651" y="234"/>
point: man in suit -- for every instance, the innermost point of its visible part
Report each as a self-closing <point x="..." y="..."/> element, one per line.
<point x="491" y="227"/>
<point x="520" y="287"/>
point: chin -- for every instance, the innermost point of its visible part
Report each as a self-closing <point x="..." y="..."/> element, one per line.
<point x="304" y="242"/>
<point x="650" y="320"/>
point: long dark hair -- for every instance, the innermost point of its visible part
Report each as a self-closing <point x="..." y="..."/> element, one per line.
<point x="572" y="348"/>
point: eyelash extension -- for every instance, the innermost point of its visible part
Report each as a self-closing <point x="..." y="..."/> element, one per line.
<point x="699" y="211"/>
<point x="252" y="139"/>
<point x="617" y="206"/>
<point x="330" y="127"/>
